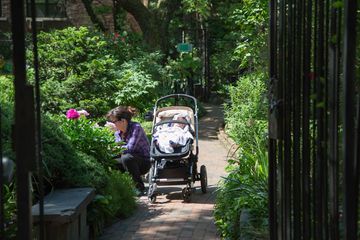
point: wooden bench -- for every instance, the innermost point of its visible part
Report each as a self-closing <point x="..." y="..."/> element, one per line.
<point x="65" y="213"/>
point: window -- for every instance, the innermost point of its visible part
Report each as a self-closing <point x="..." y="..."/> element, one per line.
<point x="47" y="8"/>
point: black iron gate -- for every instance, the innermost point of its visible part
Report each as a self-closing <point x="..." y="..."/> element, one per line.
<point x="313" y="120"/>
<point x="26" y="134"/>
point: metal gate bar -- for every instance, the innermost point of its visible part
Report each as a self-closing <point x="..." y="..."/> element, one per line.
<point x="351" y="178"/>
<point x="312" y="61"/>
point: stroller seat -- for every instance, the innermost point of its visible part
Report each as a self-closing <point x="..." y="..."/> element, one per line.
<point x="179" y="152"/>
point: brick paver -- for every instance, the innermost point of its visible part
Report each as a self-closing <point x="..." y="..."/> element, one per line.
<point x="171" y="218"/>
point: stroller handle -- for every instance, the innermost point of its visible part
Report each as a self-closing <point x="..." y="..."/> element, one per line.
<point x="179" y="95"/>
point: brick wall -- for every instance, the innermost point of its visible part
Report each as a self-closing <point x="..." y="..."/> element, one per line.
<point x="75" y="11"/>
<point x="5" y="8"/>
<point x="78" y="16"/>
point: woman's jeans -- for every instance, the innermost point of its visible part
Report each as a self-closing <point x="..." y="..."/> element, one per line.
<point x="136" y="166"/>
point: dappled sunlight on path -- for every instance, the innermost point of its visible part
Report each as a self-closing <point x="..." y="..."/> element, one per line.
<point x="170" y="217"/>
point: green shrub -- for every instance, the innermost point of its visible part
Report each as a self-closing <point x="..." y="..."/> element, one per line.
<point x="248" y="108"/>
<point x="180" y="70"/>
<point x="86" y="136"/>
<point x="74" y="161"/>
<point x="77" y="67"/>
<point x="135" y="87"/>
<point x="66" y="166"/>
<point x="83" y="68"/>
<point x="244" y="190"/>
<point x="117" y="199"/>
<point x="241" y="203"/>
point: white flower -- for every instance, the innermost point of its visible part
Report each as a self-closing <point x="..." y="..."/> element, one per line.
<point x="83" y="112"/>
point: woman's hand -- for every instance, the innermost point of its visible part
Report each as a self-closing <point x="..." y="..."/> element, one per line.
<point x="111" y="126"/>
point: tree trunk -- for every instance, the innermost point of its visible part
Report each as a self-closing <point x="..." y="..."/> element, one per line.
<point x="154" y="24"/>
<point x="142" y="15"/>
<point x="94" y="19"/>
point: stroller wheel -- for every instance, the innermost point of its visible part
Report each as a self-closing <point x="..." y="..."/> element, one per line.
<point x="203" y="178"/>
<point x="152" y="199"/>
<point x="186" y="194"/>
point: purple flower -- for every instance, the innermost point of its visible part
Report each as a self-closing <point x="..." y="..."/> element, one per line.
<point x="72" y="114"/>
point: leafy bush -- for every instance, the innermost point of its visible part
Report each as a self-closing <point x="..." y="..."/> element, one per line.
<point x="86" y="136"/>
<point x="135" y="87"/>
<point x="83" y="68"/>
<point x="247" y="109"/>
<point x="9" y="198"/>
<point x="117" y="200"/>
<point x="180" y="70"/>
<point x="74" y="154"/>
<point x="66" y="166"/>
<point x="241" y="203"/>
<point x="240" y="31"/>
<point x="244" y="190"/>
<point x="77" y="68"/>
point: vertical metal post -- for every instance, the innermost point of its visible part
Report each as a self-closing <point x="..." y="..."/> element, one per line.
<point x="350" y="164"/>
<point x="306" y="86"/>
<point x="297" y="108"/>
<point x="333" y="105"/>
<point x="38" y="121"/>
<point x="272" y="142"/>
<point x="24" y="131"/>
<point x="287" y="94"/>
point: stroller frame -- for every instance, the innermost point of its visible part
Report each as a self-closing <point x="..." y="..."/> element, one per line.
<point x="180" y="167"/>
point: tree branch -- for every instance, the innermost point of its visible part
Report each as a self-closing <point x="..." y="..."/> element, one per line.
<point x="94" y="19"/>
<point x="142" y="15"/>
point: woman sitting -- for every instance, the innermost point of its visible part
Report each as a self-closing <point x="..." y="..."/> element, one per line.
<point x="135" y="158"/>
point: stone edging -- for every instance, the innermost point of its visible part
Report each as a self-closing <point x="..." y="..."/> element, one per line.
<point x="228" y="143"/>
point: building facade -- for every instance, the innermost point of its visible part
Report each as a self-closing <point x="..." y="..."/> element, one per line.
<point x="59" y="14"/>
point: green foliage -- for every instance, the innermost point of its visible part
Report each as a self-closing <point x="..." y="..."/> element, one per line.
<point x="179" y="70"/>
<point x="83" y="68"/>
<point x="121" y="189"/>
<point x="76" y="68"/>
<point x="244" y="189"/>
<point x="66" y="166"/>
<point x="6" y="101"/>
<point x="135" y="87"/>
<point x="9" y="200"/>
<point x="247" y="111"/>
<point x="6" y="89"/>
<point x="86" y="136"/>
<point x="117" y="200"/>
<point x="239" y="31"/>
<point x="241" y="203"/>
<point x="201" y="7"/>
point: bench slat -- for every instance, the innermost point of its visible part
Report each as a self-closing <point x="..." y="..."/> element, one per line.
<point x="63" y="205"/>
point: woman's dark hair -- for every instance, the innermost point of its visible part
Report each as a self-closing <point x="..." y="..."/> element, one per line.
<point x="121" y="112"/>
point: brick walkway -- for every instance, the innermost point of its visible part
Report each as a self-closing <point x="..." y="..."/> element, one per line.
<point x="171" y="218"/>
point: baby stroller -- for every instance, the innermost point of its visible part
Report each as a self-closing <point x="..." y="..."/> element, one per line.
<point x="174" y="157"/>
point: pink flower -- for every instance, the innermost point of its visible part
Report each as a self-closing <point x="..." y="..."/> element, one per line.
<point x="72" y="114"/>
